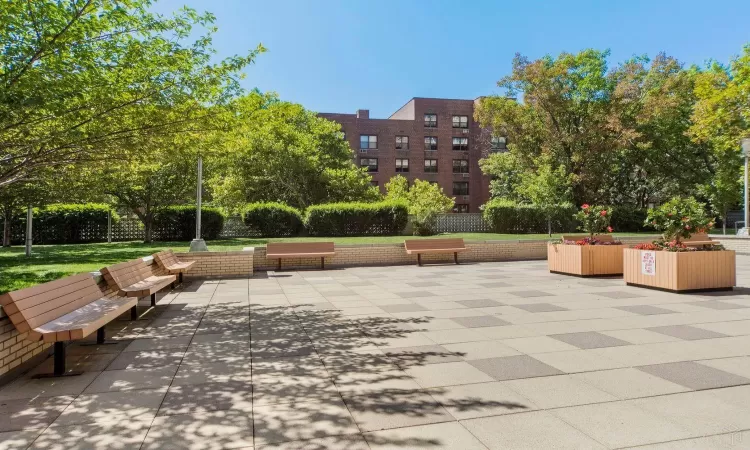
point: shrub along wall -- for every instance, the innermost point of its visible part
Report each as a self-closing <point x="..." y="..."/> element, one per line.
<point x="357" y="219"/>
<point x="505" y="216"/>
<point x="177" y="223"/>
<point x="272" y="219"/>
<point x="628" y="219"/>
<point x="65" y="224"/>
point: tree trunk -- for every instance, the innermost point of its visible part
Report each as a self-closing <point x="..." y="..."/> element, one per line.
<point x="724" y="223"/>
<point x="6" y="228"/>
<point x="549" y="225"/>
<point x="148" y="223"/>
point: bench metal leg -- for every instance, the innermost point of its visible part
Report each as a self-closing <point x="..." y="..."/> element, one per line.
<point x="100" y="335"/>
<point x="322" y="262"/>
<point x="179" y="277"/>
<point x="153" y="299"/>
<point x="455" y="257"/>
<point x="134" y="313"/>
<point x="278" y="267"/>
<point x="58" y="364"/>
<point x="419" y="259"/>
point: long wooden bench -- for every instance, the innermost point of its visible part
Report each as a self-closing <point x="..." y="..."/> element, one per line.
<point x="420" y="246"/>
<point x="279" y="250"/>
<point x="169" y="262"/>
<point x="699" y="240"/>
<point x="134" y="279"/>
<point x="67" y="309"/>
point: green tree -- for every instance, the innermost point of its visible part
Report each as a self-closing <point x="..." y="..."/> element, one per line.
<point x="78" y="77"/>
<point x="278" y="151"/>
<point x="548" y="187"/>
<point x="721" y="118"/>
<point x="426" y="200"/>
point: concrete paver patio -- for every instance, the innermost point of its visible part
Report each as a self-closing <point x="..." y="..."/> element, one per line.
<point x="475" y="356"/>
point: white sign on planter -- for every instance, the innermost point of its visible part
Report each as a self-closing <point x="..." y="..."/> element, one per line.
<point x="648" y="263"/>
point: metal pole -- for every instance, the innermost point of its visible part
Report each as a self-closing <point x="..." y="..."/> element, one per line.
<point x="746" y="153"/>
<point x="747" y="212"/>
<point x="198" y="211"/>
<point x="29" y="218"/>
<point x="109" y="226"/>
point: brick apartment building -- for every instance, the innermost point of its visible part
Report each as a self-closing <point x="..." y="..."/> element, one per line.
<point x="430" y="139"/>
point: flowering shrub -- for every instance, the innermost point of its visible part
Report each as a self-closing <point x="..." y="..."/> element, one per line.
<point x="674" y="246"/>
<point x="591" y="241"/>
<point x="679" y="218"/>
<point x="594" y="219"/>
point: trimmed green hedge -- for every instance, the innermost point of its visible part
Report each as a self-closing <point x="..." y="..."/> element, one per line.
<point x="66" y="224"/>
<point x="272" y="219"/>
<point x="357" y="219"/>
<point x="506" y="216"/>
<point x="177" y="223"/>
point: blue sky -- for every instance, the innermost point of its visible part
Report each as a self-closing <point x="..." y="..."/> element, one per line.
<point x="341" y="55"/>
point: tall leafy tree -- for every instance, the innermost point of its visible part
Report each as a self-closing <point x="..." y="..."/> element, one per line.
<point x="279" y="151"/>
<point x="77" y="78"/>
<point x="721" y="118"/>
<point x="425" y="200"/>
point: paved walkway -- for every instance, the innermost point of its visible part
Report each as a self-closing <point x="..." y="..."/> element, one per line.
<point x="476" y="356"/>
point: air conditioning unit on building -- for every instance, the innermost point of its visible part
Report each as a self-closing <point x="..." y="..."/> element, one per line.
<point x="466" y="197"/>
<point x="466" y="175"/>
<point x="465" y="131"/>
<point x="363" y="150"/>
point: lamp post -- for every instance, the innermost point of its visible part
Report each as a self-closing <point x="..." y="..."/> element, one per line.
<point x="198" y="244"/>
<point x="745" y="153"/>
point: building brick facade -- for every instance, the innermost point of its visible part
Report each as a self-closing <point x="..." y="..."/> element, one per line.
<point x="425" y="134"/>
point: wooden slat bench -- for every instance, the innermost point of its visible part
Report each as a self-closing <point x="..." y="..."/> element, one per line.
<point x="67" y="309"/>
<point x="279" y="250"/>
<point x="168" y="261"/>
<point x="134" y="279"/>
<point x="699" y="240"/>
<point x="420" y="246"/>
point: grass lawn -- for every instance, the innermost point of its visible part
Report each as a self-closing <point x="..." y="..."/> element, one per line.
<point x="49" y="262"/>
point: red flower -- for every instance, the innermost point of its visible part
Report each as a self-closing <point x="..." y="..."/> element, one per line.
<point x="603" y="212"/>
<point x="609" y="229"/>
<point x="585" y="206"/>
<point x="687" y="227"/>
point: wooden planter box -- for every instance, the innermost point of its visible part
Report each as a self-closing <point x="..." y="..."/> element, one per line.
<point x="585" y="260"/>
<point x="680" y="271"/>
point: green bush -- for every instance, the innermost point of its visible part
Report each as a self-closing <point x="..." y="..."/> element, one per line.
<point x="272" y="219"/>
<point x="357" y="219"/>
<point x="506" y="216"/>
<point x="177" y="223"/>
<point x="65" y="224"/>
<point x="628" y="219"/>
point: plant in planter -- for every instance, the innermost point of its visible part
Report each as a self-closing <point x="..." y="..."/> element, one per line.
<point x="685" y="258"/>
<point x="595" y="254"/>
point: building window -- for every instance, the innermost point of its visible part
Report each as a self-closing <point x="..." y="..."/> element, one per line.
<point x="460" y="143"/>
<point x="402" y="142"/>
<point x="498" y="143"/>
<point x="374" y="183"/>
<point x="461" y="208"/>
<point x="461" y="188"/>
<point x="430" y="166"/>
<point x="460" y="166"/>
<point x="430" y="143"/>
<point x="370" y="163"/>
<point x="430" y="120"/>
<point x="402" y="165"/>
<point x="460" y="121"/>
<point x="368" y="141"/>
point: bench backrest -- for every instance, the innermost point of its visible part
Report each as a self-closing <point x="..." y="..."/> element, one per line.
<point x="127" y="273"/>
<point x="32" y="307"/>
<point x="433" y="244"/>
<point x="698" y="237"/>
<point x="166" y="258"/>
<point x="598" y="237"/>
<point x="292" y="248"/>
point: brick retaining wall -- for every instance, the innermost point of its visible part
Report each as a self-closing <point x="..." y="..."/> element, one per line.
<point x="740" y="244"/>
<point x="219" y="264"/>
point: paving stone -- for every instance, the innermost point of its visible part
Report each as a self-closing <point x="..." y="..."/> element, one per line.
<point x="480" y="321"/>
<point x="619" y="294"/>
<point x="645" y="310"/>
<point x="530" y="294"/>
<point x="540" y="307"/>
<point x="132" y="379"/>
<point x="421" y="355"/>
<point x="301" y="421"/>
<point x="480" y="350"/>
<point x="589" y="339"/>
<point x="407" y="307"/>
<point x="345" y="442"/>
<point x="715" y="304"/>
<point x="694" y="376"/>
<point x="120" y="406"/>
<point x="446" y="436"/>
<point x="99" y="436"/>
<point x="497" y="284"/>
<point x="206" y="397"/>
<point x="415" y="294"/>
<point x="687" y="332"/>
<point x="479" y="303"/>
<point x="31" y="412"/>
<point x="532" y="430"/>
<point x="627" y="383"/>
<point x="447" y="374"/>
<point x="513" y="367"/>
<point x="469" y="401"/>
<point x="217" y="429"/>
<point x="396" y="410"/>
